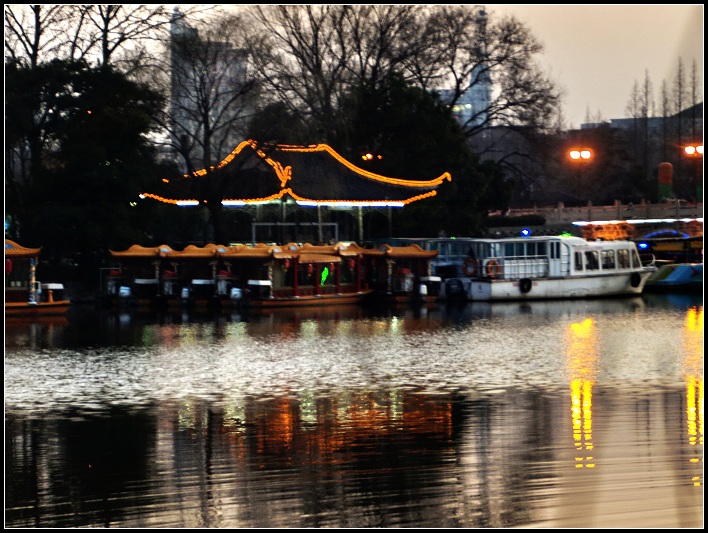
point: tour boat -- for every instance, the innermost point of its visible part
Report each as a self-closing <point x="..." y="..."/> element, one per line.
<point x="549" y="267"/>
<point x="226" y="276"/>
<point x="295" y="275"/>
<point x="403" y="274"/>
<point x="268" y="276"/>
<point x="25" y="296"/>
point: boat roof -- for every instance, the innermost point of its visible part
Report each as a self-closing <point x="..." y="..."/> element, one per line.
<point x="312" y="253"/>
<point x="14" y="250"/>
<point x="411" y="251"/>
<point x="572" y="240"/>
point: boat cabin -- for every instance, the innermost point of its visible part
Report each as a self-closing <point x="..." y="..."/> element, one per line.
<point x="24" y="292"/>
<point x="543" y="257"/>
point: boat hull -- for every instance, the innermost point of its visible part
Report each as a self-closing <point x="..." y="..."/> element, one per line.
<point x="316" y="300"/>
<point x="25" y="309"/>
<point x="486" y="290"/>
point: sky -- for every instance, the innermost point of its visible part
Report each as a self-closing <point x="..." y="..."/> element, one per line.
<point x="596" y="52"/>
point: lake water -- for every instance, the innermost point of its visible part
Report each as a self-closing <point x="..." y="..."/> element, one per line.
<point x="544" y="414"/>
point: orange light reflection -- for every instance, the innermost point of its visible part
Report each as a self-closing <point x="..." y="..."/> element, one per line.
<point x="582" y="355"/>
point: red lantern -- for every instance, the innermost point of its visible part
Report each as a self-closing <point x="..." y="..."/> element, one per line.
<point x="310" y="268"/>
<point x="351" y="264"/>
<point x="8" y="266"/>
<point x="286" y="264"/>
<point x="331" y="267"/>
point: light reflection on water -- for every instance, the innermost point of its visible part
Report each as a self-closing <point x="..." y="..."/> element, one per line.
<point x="548" y="414"/>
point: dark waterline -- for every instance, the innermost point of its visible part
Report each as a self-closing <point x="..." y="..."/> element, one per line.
<point x="566" y="414"/>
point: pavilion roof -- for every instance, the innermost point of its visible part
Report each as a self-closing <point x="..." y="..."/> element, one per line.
<point x="311" y="175"/>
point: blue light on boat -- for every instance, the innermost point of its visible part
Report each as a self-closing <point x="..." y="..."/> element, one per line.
<point x="525" y="232"/>
<point x="642" y="246"/>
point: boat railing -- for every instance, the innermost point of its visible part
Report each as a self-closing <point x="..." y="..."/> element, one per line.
<point x="518" y="267"/>
<point x="648" y="260"/>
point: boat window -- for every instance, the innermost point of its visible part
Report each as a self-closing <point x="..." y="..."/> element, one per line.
<point x="608" y="259"/>
<point x="623" y="258"/>
<point x="555" y="250"/>
<point x="591" y="261"/>
<point x="636" y="262"/>
<point x="509" y="249"/>
<point x="578" y="260"/>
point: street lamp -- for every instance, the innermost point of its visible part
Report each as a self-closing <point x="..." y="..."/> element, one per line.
<point x="584" y="154"/>
<point x="695" y="152"/>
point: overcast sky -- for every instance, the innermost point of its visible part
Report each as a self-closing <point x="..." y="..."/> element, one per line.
<point x="597" y="52"/>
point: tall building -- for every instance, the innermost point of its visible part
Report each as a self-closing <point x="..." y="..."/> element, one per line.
<point x="471" y="107"/>
<point x="211" y="94"/>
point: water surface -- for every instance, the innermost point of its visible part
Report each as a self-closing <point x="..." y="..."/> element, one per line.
<point x="541" y="414"/>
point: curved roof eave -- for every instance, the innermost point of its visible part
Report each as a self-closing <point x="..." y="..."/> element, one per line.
<point x="318" y="179"/>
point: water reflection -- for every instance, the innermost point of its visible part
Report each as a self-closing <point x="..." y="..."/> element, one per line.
<point x="584" y="414"/>
<point x="382" y="458"/>
<point x="582" y="354"/>
<point x="693" y="369"/>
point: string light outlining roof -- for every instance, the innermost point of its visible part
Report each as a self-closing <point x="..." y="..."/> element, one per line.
<point x="311" y="175"/>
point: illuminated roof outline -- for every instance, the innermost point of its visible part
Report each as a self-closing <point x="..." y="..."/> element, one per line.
<point x="311" y="175"/>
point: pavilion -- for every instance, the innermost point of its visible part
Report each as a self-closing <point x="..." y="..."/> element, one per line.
<point x="307" y="176"/>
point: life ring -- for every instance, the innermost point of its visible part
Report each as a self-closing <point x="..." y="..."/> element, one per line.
<point x="469" y="267"/>
<point x="493" y="268"/>
<point x="525" y="285"/>
<point x="635" y="279"/>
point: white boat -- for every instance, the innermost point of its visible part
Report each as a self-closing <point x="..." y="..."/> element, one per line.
<point x="549" y="267"/>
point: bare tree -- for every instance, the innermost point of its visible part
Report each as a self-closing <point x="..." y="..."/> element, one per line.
<point x="665" y="114"/>
<point x="213" y="95"/>
<point x="212" y="91"/>
<point x="695" y="85"/>
<point x="633" y="108"/>
<point x="97" y="34"/>
<point x="36" y="33"/>
<point x="301" y="54"/>
<point x="679" y="101"/>
<point x="310" y="56"/>
<point x="679" y="98"/>
<point x="476" y="52"/>
<point x="647" y="110"/>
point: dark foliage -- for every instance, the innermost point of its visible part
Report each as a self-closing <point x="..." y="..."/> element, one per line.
<point x="85" y="131"/>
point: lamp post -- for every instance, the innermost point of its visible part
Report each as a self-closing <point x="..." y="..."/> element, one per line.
<point x="695" y="152"/>
<point x="581" y="157"/>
